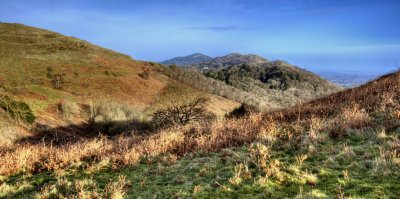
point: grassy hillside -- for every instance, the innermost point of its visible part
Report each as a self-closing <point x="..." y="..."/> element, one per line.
<point x="44" y="69"/>
<point x="227" y="60"/>
<point x="345" y="145"/>
<point x="190" y="59"/>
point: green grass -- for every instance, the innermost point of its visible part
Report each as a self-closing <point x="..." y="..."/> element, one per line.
<point x="52" y="95"/>
<point x="322" y="174"/>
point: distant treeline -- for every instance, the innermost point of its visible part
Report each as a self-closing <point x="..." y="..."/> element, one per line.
<point x="210" y="85"/>
<point x="273" y="85"/>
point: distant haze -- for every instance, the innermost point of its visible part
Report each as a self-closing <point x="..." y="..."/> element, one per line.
<point x="318" y="35"/>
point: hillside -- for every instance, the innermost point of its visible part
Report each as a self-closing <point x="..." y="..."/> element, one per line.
<point x="190" y="59"/>
<point x="380" y="94"/>
<point x="275" y="81"/>
<point x="48" y="70"/>
<point x="254" y="80"/>
<point x="345" y="145"/>
<point x="227" y="60"/>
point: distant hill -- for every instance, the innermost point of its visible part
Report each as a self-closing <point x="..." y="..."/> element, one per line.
<point x="227" y="60"/>
<point x="275" y="81"/>
<point x="190" y="59"/>
<point x="254" y="80"/>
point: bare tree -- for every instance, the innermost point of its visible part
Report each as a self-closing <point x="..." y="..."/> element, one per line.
<point x="180" y="105"/>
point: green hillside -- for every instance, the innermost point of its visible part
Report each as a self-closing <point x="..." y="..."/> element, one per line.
<point x="190" y="59"/>
<point x="227" y="60"/>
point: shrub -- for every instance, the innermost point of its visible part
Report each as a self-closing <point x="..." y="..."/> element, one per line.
<point x="68" y="108"/>
<point x="50" y="72"/>
<point x="179" y="105"/>
<point x="17" y="109"/>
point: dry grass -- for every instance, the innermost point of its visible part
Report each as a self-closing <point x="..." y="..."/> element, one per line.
<point x="178" y="141"/>
<point x="96" y="153"/>
<point x="68" y="108"/>
<point x="382" y="93"/>
<point x="84" y="189"/>
<point x="125" y="150"/>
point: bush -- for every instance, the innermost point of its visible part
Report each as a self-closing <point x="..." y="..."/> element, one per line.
<point x="180" y="105"/>
<point x="68" y="108"/>
<point x="50" y="72"/>
<point x="18" y="110"/>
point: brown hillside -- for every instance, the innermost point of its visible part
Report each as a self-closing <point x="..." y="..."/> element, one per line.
<point x="381" y="93"/>
<point x="31" y="58"/>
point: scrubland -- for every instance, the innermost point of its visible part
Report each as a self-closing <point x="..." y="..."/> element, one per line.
<point x="345" y="145"/>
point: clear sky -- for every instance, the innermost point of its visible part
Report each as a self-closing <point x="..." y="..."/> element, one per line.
<point x="319" y="35"/>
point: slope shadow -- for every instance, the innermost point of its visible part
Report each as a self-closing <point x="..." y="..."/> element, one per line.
<point x="63" y="135"/>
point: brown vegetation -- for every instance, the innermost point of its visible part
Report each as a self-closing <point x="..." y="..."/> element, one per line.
<point x="214" y="136"/>
<point x="380" y="94"/>
<point x="130" y="149"/>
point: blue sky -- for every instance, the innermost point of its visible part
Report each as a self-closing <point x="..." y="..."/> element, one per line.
<point x="319" y="35"/>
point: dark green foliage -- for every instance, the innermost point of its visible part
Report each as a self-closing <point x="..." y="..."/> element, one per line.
<point x="209" y="85"/>
<point x="17" y="109"/>
<point x="234" y="75"/>
<point x="274" y="85"/>
<point x="227" y="60"/>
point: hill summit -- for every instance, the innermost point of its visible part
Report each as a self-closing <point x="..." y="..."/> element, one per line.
<point x="185" y="60"/>
<point x="228" y="60"/>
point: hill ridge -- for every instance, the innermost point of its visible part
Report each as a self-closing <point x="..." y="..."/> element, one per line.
<point x="185" y="60"/>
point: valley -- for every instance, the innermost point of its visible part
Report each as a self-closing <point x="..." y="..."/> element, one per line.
<point x="81" y="121"/>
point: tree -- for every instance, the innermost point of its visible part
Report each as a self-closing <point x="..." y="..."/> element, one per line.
<point x="178" y="104"/>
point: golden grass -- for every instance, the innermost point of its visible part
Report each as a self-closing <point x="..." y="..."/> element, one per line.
<point x="128" y="150"/>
